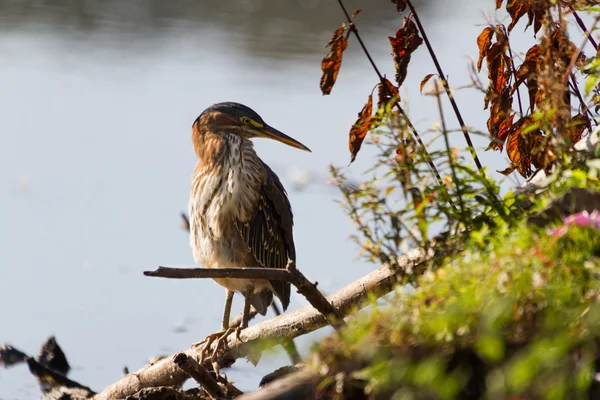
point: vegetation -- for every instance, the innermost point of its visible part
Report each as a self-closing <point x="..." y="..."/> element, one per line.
<point x="509" y="305"/>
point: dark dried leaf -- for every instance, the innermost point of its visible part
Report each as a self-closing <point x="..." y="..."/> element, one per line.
<point x="51" y="356"/>
<point x="498" y="65"/>
<point x="386" y="92"/>
<point x="10" y="356"/>
<point x="405" y="42"/>
<point x="529" y="71"/>
<point x="425" y="80"/>
<point x="537" y="13"/>
<point x="360" y="128"/>
<point x="509" y="170"/>
<point x="516" y="9"/>
<point x="578" y="124"/>
<point x="356" y="12"/>
<point x="498" y="4"/>
<point x="400" y="5"/>
<point x="332" y="62"/>
<point x="521" y="146"/>
<point x="499" y="113"/>
<point x="484" y="41"/>
<point x="504" y="129"/>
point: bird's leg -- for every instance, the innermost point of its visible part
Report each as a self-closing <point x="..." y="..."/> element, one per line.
<point x="245" y="318"/>
<point x="224" y="325"/>
<point x="247" y="303"/>
<point x="227" y="310"/>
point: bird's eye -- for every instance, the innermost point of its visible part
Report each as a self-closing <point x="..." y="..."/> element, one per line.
<point x="246" y="121"/>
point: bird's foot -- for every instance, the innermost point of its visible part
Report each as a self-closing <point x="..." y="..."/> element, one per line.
<point x="221" y="339"/>
<point x="221" y="342"/>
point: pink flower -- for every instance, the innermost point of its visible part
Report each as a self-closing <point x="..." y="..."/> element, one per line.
<point x="582" y="218"/>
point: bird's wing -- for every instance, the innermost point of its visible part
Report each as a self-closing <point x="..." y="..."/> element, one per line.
<point x="268" y="233"/>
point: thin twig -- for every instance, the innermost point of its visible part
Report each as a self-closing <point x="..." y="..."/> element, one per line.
<point x="514" y="70"/>
<point x="290" y="274"/>
<point x="578" y="51"/>
<point x="584" y="28"/>
<point x="198" y="373"/>
<point x="442" y="76"/>
<point x="354" y="29"/>
<point x="449" y="152"/>
<point x="575" y="88"/>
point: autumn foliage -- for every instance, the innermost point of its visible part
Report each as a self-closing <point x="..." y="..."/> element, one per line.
<point x="536" y="109"/>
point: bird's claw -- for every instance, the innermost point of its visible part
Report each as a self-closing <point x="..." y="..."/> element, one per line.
<point x="214" y="358"/>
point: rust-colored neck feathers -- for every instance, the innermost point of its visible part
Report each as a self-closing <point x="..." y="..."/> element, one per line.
<point x="209" y="144"/>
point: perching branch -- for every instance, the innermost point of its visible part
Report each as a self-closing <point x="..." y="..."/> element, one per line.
<point x="277" y="330"/>
<point x="289" y="274"/>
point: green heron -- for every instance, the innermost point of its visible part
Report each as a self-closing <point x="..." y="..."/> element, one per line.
<point x="240" y="215"/>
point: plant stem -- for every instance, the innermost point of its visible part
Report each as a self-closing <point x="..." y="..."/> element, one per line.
<point x="449" y="152"/>
<point x="514" y="70"/>
<point x="584" y="28"/>
<point x="585" y="109"/>
<point x="354" y="29"/>
<point x="446" y="87"/>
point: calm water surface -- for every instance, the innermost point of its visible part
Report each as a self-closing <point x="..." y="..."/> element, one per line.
<point x="97" y="101"/>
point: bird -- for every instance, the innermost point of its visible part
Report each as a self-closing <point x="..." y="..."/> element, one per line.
<point x="239" y="212"/>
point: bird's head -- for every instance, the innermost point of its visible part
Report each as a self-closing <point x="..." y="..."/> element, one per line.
<point x="237" y="119"/>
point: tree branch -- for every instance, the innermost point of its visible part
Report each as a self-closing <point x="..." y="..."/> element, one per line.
<point x="277" y="330"/>
<point x="290" y="274"/>
<point x="198" y="373"/>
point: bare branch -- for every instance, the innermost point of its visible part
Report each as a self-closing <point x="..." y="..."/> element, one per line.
<point x="291" y="274"/>
<point x="198" y="373"/>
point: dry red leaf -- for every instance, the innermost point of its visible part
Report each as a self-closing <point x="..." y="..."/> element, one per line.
<point x="361" y="127"/>
<point x="499" y="113"/>
<point x="498" y="4"/>
<point x="356" y="12"/>
<point x="498" y="64"/>
<point x="504" y="129"/>
<point x="333" y="60"/>
<point x="405" y="42"/>
<point x="509" y="170"/>
<point x="484" y="41"/>
<point x="516" y="9"/>
<point x="578" y="124"/>
<point x="425" y="80"/>
<point x="524" y="147"/>
<point x="400" y="5"/>
<point x="518" y="150"/>
<point x="536" y="13"/>
<point x="529" y="70"/>
<point x="385" y="92"/>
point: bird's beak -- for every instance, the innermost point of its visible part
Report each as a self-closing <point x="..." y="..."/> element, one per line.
<point x="272" y="133"/>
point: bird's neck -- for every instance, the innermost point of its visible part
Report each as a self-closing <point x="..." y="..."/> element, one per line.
<point x="226" y="181"/>
<point x="223" y="150"/>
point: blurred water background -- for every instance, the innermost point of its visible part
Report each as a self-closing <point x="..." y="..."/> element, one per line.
<point x="97" y="100"/>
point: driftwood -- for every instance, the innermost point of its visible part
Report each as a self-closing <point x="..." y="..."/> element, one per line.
<point x="50" y="370"/>
<point x="277" y="330"/>
<point x="296" y="386"/>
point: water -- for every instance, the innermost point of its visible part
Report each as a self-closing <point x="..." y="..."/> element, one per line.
<point x="97" y="101"/>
